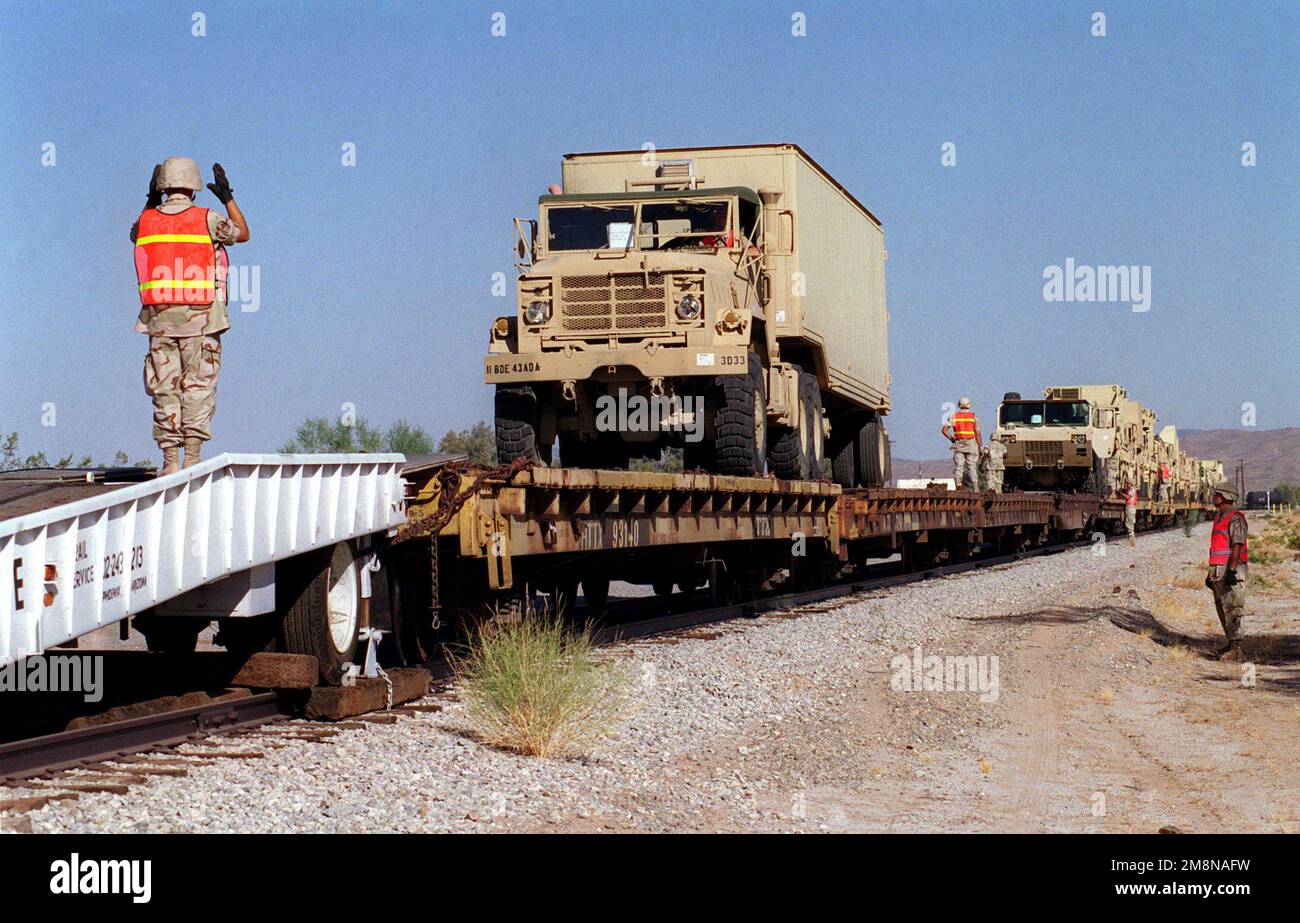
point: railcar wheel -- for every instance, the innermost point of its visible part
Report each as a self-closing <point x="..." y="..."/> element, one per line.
<point x="247" y="636"/>
<point x="168" y="635"/>
<point x="595" y="592"/>
<point x="321" y="598"/>
<point x="723" y="588"/>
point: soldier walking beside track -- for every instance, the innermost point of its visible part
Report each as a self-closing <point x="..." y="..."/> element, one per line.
<point x="181" y="266"/>
<point x="964" y="434"/>
<point x="1226" y="577"/>
<point x="1131" y="511"/>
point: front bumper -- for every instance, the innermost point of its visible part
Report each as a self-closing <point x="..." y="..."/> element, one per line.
<point x="650" y="361"/>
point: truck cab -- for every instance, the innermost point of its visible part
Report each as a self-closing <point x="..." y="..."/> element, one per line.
<point x="648" y="294"/>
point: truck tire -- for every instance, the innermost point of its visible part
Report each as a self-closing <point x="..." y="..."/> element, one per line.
<point x="320" y="596"/>
<point x="889" y="455"/>
<point x="843" y="450"/>
<point x="516" y="423"/>
<point x="873" y="454"/>
<point x="738" y="404"/>
<point x="798" y="451"/>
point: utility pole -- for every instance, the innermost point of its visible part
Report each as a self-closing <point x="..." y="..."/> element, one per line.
<point x="1240" y="479"/>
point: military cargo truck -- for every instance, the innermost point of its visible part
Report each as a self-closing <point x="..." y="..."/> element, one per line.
<point x="1094" y="438"/>
<point x="737" y="294"/>
<point x="1081" y="437"/>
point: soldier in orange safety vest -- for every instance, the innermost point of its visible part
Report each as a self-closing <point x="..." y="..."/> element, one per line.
<point x="1229" y="554"/>
<point x="964" y="433"/>
<point x="1164" y="488"/>
<point x="180" y="264"/>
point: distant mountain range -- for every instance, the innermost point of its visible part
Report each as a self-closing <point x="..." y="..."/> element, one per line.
<point x="1272" y="456"/>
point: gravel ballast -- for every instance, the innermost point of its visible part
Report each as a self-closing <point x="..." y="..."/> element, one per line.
<point x="734" y="729"/>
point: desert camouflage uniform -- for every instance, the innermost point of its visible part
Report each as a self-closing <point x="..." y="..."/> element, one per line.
<point x="1230" y="601"/>
<point x="184" y="358"/>
<point x="994" y="466"/>
<point x="965" y="456"/>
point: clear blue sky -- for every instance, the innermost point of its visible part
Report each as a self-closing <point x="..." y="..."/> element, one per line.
<point x="376" y="278"/>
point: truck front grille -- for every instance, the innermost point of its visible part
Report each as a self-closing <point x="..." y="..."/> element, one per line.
<point x="1046" y="454"/>
<point x="612" y="304"/>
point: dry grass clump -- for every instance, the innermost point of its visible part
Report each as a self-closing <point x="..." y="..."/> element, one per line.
<point x="535" y="686"/>
<point x="1192" y="579"/>
<point x="1273" y="551"/>
<point x="1169" y="609"/>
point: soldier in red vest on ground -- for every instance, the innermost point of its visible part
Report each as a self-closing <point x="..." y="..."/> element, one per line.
<point x="181" y="264"/>
<point x="1131" y="511"/>
<point x="1229" y="554"/>
<point x="964" y="434"/>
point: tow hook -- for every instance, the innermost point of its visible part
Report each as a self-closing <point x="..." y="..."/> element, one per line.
<point x="569" y="390"/>
<point x="657" y="387"/>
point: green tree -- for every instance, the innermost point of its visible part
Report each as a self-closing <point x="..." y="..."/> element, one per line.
<point x="1290" y="493"/>
<point x="10" y="460"/>
<point x="479" y="442"/>
<point x="317" y="434"/>
<point x="407" y="439"/>
<point x="670" y="460"/>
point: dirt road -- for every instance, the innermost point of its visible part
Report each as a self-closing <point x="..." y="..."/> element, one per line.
<point x="1113" y="714"/>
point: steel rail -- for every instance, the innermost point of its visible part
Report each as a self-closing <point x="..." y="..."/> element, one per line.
<point x="34" y="756"/>
<point x="70" y="749"/>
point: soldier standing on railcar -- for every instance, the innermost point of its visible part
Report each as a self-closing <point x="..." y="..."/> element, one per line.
<point x="994" y="464"/>
<point x="181" y="265"/>
<point x="964" y="434"/>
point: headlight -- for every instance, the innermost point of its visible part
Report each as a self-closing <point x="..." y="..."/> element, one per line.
<point x="689" y="308"/>
<point x="537" y="312"/>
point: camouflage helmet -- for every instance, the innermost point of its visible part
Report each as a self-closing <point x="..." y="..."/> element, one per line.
<point x="180" y="173"/>
<point x="964" y="403"/>
<point x="1227" y="489"/>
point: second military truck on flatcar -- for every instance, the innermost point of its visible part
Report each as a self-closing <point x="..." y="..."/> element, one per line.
<point x="739" y="290"/>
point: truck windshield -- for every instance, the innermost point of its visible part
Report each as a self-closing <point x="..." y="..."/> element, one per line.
<point x="683" y="225"/>
<point x="1073" y="413"/>
<point x="589" y="227"/>
<point x="660" y="225"/>
<point x="1038" y="413"/>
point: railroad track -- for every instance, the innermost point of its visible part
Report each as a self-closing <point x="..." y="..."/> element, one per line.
<point x="91" y="748"/>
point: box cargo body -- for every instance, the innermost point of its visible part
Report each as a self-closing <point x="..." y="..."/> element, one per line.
<point x="828" y="265"/>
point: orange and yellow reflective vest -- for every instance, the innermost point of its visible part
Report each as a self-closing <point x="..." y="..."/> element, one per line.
<point x="963" y="425"/>
<point x="1220" y="547"/>
<point x="175" y="262"/>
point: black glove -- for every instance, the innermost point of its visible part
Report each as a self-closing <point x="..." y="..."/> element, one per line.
<point x="155" y="194"/>
<point x="1230" y="578"/>
<point x="1209" y="582"/>
<point x="221" y="188"/>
